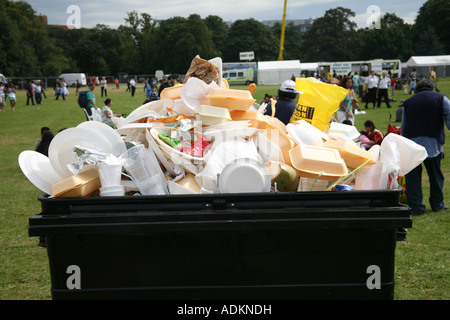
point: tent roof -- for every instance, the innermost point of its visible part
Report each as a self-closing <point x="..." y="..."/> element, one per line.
<point x="418" y="61"/>
<point x="309" y="66"/>
<point x="279" y="65"/>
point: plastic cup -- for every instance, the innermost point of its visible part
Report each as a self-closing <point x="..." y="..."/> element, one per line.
<point x="110" y="175"/>
<point x="309" y="184"/>
<point x="142" y="165"/>
<point x="112" y="191"/>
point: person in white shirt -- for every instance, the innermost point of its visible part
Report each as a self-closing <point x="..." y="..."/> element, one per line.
<point x="133" y="86"/>
<point x="104" y="87"/>
<point x="107" y="113"/>
<point x="383" y="89"/>
<point x="371" y="89"/>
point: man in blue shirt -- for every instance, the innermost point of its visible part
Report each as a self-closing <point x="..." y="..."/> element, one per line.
<point x="423" y="121"/>
<point x="285" y="106"/>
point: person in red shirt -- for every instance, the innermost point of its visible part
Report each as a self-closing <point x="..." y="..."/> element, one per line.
<point x="374" y="136"/>
<point x="393" y="83"/>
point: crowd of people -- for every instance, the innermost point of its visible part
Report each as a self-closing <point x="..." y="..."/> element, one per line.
<point x="424" y="117"/>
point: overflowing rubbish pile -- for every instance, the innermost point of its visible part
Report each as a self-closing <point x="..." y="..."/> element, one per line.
<point x="203" y="137"/>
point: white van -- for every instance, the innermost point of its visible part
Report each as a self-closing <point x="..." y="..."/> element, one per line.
<point x="71" y="78"/>
<point x="239" y="76"/>
<point x="2" y="78"/>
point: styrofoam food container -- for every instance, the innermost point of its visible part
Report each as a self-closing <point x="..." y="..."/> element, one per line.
<point x="313" y="161"/>
<point x="209" y="115"/>
<point x="353" y="155"/>
<point x="349" y="131"/>
<point x="172" y="92"/>
<point x="79" y="185"/>
<point x="256" y="119"/>
<point x="231" y="99"/>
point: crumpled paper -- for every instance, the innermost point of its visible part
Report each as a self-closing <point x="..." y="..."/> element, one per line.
<point x="86" y="156"/>
<point x="203" y="70"/>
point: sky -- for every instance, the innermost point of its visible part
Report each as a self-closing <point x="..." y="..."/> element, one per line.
<point x="88" y="13"/>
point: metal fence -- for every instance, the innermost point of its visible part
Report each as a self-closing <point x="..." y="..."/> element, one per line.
<point x="46" y="82"/>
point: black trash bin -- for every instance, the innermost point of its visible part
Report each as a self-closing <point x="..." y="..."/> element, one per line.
<point x="308" y="245"/>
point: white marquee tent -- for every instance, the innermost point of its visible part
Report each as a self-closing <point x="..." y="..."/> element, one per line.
<point x="275" y="72"/>
<point x="428" y="61"/>
<point x="422" y="64"/>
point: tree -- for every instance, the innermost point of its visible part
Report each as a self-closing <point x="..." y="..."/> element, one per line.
<point x="179" y="40"/>
<point x="139" y="43"/>
<point x="332" y="37"/>
<point x="26" y="43"/>
<point x="292" y="40"/>
<point x="429" y="43"/>
<point x="219" y="31"/>
<point x="434" y="13"/>
<point x="392" y="41"/>
<point x="250" y="35"/>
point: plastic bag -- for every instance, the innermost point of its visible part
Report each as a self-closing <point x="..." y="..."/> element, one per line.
<point x="401" y="155"/>
<point x="318" y="102"/>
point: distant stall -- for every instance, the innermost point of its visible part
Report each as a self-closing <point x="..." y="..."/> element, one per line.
<point x="275" y="72"/>
<point x="423" y="64"/>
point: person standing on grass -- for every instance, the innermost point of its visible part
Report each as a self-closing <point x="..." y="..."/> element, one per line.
<point x="77" y="86"/>
<point x="383" y="91"/>
<point x="38" y="92"/>
<point x="133" y="86"/>
<point x="433" y="78"/>
<point x="2" y="96"/>
<point x="393" y="84"/>
<point x="345" y="111"/>
<point x="11" y="91"/>
<point x="90" y="99"/>
<point x="423" y="120"/>
<point x="371" y="89"/>
<point x="104" y="87"/>
<point x="30" y="93"/>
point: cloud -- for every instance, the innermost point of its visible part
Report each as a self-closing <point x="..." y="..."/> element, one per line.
<point x="114" y="12"/>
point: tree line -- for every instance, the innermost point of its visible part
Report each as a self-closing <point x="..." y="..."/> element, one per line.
<point x="141" y="45"/>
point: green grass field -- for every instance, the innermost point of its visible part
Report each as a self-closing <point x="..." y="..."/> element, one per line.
<point x="422" y="270"/>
